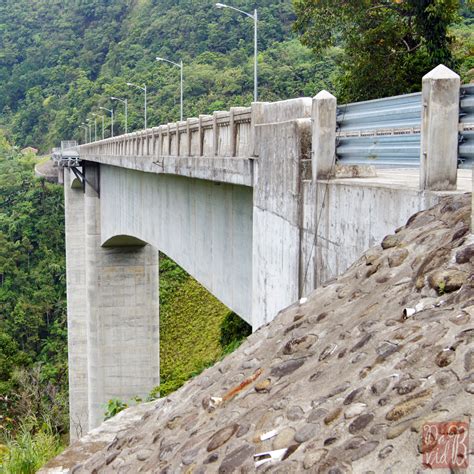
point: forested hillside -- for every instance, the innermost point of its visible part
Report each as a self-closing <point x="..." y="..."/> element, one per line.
<point x="60" y="61"/>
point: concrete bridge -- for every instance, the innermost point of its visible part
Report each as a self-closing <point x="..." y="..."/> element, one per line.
<point x="250" y="202"/>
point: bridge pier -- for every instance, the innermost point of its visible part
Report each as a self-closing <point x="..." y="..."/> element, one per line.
<point x="114" y="347"/>
<point x="76" y="308"/>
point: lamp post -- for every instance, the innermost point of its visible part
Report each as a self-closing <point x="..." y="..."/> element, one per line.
<point x="112" y="117"/>
<point x="95" y="121"/>
<point x="180" y="65"/>
<point x="85" y="132"/>
<point x="95" y="129"/>
<point x="89" y="128"/>
<point x="144" y="90"/>
<point x="254" y="17"/>
<point x="124" y="101"/>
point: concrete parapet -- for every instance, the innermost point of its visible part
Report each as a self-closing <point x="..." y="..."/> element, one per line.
<point x="282" y="111"/>
<point x="277" y="217"/>
<point x="439" y="129"/>
<point x="323" y="153"/>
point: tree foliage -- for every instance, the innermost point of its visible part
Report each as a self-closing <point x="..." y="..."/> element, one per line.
<point x="33" y="367"/>
<point x="388" y="45"/>
<point x="61" y="61"/>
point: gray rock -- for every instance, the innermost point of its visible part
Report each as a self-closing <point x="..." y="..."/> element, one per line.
<point x="222" y="436"/>
<point x="354" y="410"/>
<point x="465" y="255"/>
<point x="360" y="423"/>
<point x="314" y="457"/>
<point x="354" y="396"/>
<point x="295" y="413"/>
<point x="363" y="450"/>
<point x="397" y="257"/>
<point x="390" y="241"/>
<point x="284" y="438"/>
<point x="190" y="456"/>
<point x="287" y="367"/>
<point x="446" y="281"/>
<point x="386" y="451"/>
<point x="307" y="432"/>
<point x="144" y="454"/>
<point x="236" y="458"/>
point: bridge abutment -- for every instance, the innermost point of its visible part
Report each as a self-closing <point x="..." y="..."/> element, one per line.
<point x="282" y="144"/>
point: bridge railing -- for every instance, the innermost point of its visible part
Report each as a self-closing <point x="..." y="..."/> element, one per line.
<point x="224" y="134"/>
<point x="432" y="130"/>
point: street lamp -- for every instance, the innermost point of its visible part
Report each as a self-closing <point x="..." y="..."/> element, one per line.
<point x="112" y="117"/>
<point x="254" y="17"/>
<point x="124" y="101"/>
<point x="95" y="129"/>
<point x="85" y="132"/>
<point x="144" y="90"/>
<point x="180" y="65"/>
<point x="89" y="128"/>
<point x="102" y="117"/>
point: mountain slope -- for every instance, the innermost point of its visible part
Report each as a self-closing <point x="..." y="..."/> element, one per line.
<point x="61" y="60"/>
<point x="346" y="378"/>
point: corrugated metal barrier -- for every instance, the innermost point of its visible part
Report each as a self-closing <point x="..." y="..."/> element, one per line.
<point x="381" y="132"/>
<point x="466" y="126"/>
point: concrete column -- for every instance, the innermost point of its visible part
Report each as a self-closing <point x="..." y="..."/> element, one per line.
<point x="277" y="267"/>
<point x="215" y="135"/>
<point x="201" y="136"/>
<point x="323" y="153"/>
<point x="232" y="132"/>
<point x="188" y="136"/>
<point x="122" y="313"/>
<point x="439" y="129"/>
<point x="76" y="306"/>
<point x="168" y="138"/>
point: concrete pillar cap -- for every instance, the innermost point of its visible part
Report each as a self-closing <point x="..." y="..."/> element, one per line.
<point x="324" y="94"/>
<point x="441" y="72"/>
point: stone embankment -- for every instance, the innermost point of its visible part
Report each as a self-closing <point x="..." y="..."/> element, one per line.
<point x="340" y="382"/>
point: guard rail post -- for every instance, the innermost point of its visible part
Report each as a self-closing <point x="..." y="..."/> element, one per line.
<point x="439" y="130"/>
<point x="323" y="152"/>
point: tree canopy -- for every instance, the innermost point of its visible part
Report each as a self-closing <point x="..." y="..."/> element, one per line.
<point x="387" y="45"/>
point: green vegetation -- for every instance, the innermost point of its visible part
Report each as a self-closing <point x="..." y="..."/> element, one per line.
<point x="114" y="406"/>
<point x="195" y="328"/>
<point x="62" y="60"/>
<point x="29" y="450"/>
<point x="386" y="45"/>
<point x="33" y="359"/>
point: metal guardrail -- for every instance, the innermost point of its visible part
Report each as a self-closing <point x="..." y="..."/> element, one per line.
<point x="466" y="127"/>
<point x="381" y="132"/>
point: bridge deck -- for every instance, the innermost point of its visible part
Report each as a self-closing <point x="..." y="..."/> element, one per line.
<point x="405" y="179"/>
